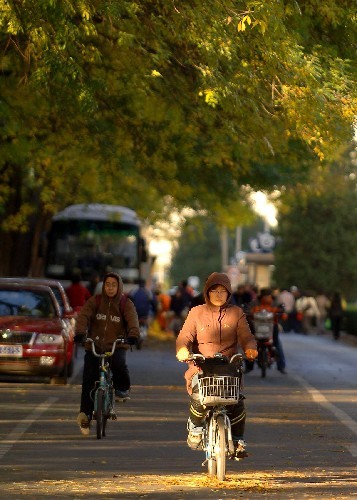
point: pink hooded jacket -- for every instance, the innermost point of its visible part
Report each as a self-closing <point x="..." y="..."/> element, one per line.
<point x="210" y="329"/>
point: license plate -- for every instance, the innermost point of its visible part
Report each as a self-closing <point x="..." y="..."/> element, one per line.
<point x="11" y="350"/>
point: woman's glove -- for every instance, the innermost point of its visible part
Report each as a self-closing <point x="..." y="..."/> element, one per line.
<point x="182" y="354"/>
<point x="251" y="354"/>
<point x="79" y="338"/>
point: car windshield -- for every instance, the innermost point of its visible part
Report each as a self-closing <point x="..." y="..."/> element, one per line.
<point x="26" y="303"/>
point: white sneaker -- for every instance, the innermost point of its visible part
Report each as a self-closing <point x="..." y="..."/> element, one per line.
<point x="195" y="436"/>
<point x="84" y="423"/>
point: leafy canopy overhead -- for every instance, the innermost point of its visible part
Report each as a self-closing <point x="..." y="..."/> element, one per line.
<point x="101" y="99"/>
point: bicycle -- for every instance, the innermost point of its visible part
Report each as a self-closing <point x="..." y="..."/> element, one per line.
<point x="104" y="390"/>
<point x="216" y="391"/>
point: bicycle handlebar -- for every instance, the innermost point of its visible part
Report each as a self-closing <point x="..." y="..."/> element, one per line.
<point x="218" y="356"/>
<point x="106" y="354"/>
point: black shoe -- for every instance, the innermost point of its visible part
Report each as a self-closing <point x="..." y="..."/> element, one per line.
<point x="240" y="449"/>
<point x="282" y="370"/>
<point x="121" y="395"/>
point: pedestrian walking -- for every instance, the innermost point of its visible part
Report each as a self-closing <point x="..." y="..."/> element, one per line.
<point x="77" y="293"/>
<point x="336" y="312"/>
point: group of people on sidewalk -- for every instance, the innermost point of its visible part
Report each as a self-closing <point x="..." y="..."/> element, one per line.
<point x="312" y="312"/>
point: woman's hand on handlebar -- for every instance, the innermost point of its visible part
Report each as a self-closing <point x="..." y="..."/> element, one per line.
<point x="183" y="354"/>
<point x="251" y="354"/>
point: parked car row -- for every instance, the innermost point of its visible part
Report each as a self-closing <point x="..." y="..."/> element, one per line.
<point x="36" y="329"/>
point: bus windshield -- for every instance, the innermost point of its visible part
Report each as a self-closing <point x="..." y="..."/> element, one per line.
<point x="84" y="245"/>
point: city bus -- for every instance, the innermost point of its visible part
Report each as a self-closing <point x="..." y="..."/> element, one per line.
<point x="94" y="237"/>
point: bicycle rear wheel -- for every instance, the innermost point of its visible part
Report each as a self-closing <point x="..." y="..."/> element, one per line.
<point x="220" y="449"/>
<point x="100" y="413"/>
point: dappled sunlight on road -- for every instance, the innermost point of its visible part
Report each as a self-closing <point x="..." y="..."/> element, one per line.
<point x="302" y="484"/>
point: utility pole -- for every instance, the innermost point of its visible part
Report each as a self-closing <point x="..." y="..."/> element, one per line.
<point x="224" y="248"/>
<point x="238" y="239"/>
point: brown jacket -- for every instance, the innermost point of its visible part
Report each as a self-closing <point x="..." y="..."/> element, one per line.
<point x="103" y="322"/>
<point x="210" y="329"/>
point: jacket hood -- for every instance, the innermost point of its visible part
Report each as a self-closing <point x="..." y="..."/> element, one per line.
<point x="215" y="279"/>
<point x="119" y="280"/>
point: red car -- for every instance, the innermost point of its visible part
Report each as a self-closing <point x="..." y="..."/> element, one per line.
<point x="36" y="338"/>
<point x="56" y="287"/>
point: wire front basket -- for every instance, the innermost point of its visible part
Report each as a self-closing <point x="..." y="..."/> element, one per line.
<point x="218" y="389"/>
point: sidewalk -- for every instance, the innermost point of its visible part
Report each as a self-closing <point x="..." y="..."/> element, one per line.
<point x="345" y="338"/>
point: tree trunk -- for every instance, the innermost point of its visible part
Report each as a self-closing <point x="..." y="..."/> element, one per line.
<point x="14" y="253"/>
<point x="39" y="245"/>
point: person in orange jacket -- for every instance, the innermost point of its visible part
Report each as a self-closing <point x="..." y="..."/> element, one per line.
<point x="163" y="306"/>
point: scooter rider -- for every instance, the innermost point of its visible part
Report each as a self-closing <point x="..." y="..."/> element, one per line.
<point x="216" y="326"/>
<point x="266" y="303"/>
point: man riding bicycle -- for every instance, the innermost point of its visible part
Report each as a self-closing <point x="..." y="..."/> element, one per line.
<point x="104" y="321"/>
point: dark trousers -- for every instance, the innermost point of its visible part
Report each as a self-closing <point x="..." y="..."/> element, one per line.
<point x="336" y="326"/>
<point x="121" y="379"/>
<point x="279" y="349"/>
<point x="236" y="414"/>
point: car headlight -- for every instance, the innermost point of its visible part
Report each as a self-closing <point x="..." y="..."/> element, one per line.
<point x="49" y="338"/>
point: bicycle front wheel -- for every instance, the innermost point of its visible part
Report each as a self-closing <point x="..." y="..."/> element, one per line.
<point x="220" y="449"/>
<point x="100" y="413"/>
<point x="211" y="444"/>
<point x="107" y="405"/>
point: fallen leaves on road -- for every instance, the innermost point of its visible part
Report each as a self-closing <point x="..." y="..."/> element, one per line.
<point x="146" y="484"/>
<point x="278" y="484"/>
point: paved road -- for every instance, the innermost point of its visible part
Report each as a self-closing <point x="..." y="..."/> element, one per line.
<point x="301" y="430"/>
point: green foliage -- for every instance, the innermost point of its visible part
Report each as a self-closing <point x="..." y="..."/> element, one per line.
<point x="124" y="102"/>
<point x="318" y="232"/>
<point x="350" y="319"/>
